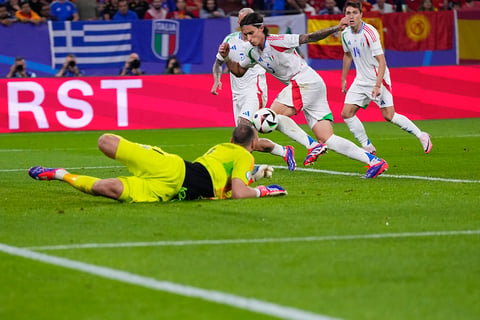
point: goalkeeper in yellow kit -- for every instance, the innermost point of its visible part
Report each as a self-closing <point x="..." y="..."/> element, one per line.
<point x="224" y="171"/>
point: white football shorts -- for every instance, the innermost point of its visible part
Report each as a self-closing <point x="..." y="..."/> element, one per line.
<point x="361" y="95"/>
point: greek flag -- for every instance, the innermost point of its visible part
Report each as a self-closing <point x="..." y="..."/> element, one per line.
<point x="94" y="43"/>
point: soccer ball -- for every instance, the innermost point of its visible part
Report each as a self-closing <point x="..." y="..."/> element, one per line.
<point x="265" y="120"/>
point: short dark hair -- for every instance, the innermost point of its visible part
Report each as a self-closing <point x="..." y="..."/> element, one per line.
<point x="354" y="4"/>
<point x="243" y="135"/>
<point x="254" y="19"/>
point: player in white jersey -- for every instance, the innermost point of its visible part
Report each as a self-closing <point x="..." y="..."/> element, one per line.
<point x="361" y="44"/>
<point x="249" y="93"/>
<point x="305" y="90"/>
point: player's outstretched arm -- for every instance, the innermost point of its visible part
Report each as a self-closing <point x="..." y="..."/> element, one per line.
<point x="322" y="34"/>
<point x="241" y="190"/>
<point x="347" y="63"/>
<point x="217" y="76"/>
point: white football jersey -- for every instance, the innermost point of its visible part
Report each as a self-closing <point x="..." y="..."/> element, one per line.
<point x="241" y="85"/>
<point x="280" y="59"/>
<point x="364" y="46"/>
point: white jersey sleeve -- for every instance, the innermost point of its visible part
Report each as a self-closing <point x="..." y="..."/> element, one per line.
<point x="278" y="57"/>
<point x="248" y="83"/>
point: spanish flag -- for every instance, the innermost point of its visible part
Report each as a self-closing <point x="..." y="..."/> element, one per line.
<point x="468" y="22"/>
<point x="416" y="31"/>
<point x="331" y="47"/>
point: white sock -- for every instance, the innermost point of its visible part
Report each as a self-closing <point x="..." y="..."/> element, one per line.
<point x="289" y="128"/>
<point x="59" y="174"/>
<point x="406" y="124"/>
<point x="278" y="150"/>
<point x="350" y="149"/>
<point x="357" y="129"/>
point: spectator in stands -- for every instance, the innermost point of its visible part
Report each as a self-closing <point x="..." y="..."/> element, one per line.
<point x="330" y="8"/>
<point x="19" y="69"/>
<point x="210" y="9"/>
<point x="6" y="19"/>
<point x="132" y="66"/>
<point x="278" y="7"/>
<point x="383" y="7"/>
<point x="69" y="68"/>
<point x="109" y="9"/>
<point x="26" y="14"/>
<point x="317" y="5"/>
<point x="173" y="66"/>
<point x="194" y="7"/>
<point x="64" y="10"/>
<point x="297" y="6"/>
<point x="306" y="8"/>
<point x="36" y="5"/>
<point x="123" y="13"/>
<point x="13" y="6"/>
<point x="470" y="4"/>
<point x="172" y="5"/>
<point x="45" y="11"/>
<point x="87" y="9"/>
<point x="158" y="10"/>
<point x="426" y="5"/>
<point x="455" y="5"/>
<point x="400" y="5"/>
<point x="139" y="7"/>
<point x="257" y="5"/>
<point x="182" y="12"/>
<point x="366" y="5"/>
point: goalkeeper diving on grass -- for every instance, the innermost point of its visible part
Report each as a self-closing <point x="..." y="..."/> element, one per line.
<point x="225" y="171"/>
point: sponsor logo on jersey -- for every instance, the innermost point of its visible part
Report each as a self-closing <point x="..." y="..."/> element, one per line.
<point x="165" y="35"/>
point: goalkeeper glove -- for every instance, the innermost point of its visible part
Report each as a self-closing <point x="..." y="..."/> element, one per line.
<point x="262" y="171"/>
<point x="271" y="191"/>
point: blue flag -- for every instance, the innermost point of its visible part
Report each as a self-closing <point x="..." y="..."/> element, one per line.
<point x="95" y="44"/>
<point x="155" y="40"/>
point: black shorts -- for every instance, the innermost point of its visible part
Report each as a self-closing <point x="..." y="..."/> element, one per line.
<point x="198" y="183"/>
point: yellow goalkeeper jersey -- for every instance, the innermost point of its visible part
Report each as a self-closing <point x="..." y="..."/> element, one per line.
<point x="224" y="162"/>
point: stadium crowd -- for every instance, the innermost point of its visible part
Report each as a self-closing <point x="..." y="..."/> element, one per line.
<point x="39" y="11"/>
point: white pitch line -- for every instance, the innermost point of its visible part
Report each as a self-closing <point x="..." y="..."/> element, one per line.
<point x="339" y="173"/>
<point x="250" y="304"/>
<point x="258" y="240"/>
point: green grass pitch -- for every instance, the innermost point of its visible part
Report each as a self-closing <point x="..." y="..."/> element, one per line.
<point x="405" y="245"/>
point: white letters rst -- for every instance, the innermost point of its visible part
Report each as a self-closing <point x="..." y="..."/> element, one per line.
<point x="15" y="107"/>
<point x="76" y="104"/>
<point x="122" y="101"/>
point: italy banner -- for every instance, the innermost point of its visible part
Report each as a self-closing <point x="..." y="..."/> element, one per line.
<point x="331" y="47"/>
